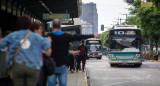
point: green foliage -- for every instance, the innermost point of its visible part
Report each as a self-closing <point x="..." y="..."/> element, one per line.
<point x="103" y="38"/>
<point x="150" y="22"/>
<point x="135" y="6"/>
<point x="148" y="55"/>
<point x="132" y="21"/>
<point x="157" y="5"/>
<point x="147" y="18"/>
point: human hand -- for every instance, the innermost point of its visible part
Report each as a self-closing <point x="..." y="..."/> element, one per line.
<point x="96" y="36"/>
<point x="49" y="39"/>
<point x="75" y="52"/>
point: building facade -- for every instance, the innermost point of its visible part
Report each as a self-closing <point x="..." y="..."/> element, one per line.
<point x="86" y="28"/>
<point x="90" y="15"/>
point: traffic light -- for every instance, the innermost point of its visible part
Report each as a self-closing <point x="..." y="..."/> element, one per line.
<point x="130" y="1"/>
<point x="102" y="27"/>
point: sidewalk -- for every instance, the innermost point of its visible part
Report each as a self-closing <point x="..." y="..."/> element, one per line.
<point x="77" y="79"/>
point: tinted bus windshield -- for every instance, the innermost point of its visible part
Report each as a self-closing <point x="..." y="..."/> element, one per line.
<point x="93" y="46"/>
<point x="124" y="44"/>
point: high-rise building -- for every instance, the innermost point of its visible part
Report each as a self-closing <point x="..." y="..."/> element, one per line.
<point x="90" y="15"/>
<point x="86" y="28"/>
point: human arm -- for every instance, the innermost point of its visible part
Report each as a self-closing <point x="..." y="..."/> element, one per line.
<point x="48" y="52"/>
<point x="6" y="41"/>
<point x="75" y="52"/>
<point x="86" y="51"/>
<point x="46" y="46"/>
<point x="80" y="37"/>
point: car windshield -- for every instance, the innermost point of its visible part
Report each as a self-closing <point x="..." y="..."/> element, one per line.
<point x="124" y="45"/>
<point x="94" y="47"/>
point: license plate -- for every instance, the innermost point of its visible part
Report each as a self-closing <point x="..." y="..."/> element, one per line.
<point x="124" y="62"/>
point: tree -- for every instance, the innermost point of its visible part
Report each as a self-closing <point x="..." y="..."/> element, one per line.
<point x="157" y="5"/>
<point x="103" y="38"/>
<point x="150" y="23"/>
<point x="135" y="6"/>
<point x="147" y="19"/>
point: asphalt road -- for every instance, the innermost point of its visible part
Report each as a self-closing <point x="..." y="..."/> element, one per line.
<point x="101" y="74"/>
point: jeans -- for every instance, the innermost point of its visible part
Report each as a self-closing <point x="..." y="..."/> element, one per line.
<point x="61" y="74"/>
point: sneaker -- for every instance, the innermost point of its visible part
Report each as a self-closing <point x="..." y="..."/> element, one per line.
<point x="72" y="71"/>
<point x="76" y="70"/>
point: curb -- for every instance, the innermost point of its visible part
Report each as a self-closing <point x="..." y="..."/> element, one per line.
<point x="86" y="77"/>
<point x="154" y="61"/>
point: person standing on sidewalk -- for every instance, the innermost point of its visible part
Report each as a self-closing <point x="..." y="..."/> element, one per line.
<point x="60" y="46"/>
<point x="28" y="60"/>
<point x="3" y="66"/>
<point x="82" y="56"/>
<point x="42" y="80"/>
<point x="71" y="58"/>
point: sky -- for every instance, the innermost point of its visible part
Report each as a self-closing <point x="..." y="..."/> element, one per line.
<point x="109" y="11"/>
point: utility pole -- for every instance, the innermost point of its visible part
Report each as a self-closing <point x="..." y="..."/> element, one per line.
<point x="119" y="19"/>
<point x="126" y="17"/>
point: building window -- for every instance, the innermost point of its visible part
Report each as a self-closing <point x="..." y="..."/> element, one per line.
<point x="19" y="11"/>
<point x="14" y="9"/>
<point x="23" y="11"/>
<point x="3" y="5"/>
<point x="9" y="9"/>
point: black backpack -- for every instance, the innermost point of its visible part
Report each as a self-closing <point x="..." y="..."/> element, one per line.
<point x="49" y="65"/>
<point x="82" y="51"/>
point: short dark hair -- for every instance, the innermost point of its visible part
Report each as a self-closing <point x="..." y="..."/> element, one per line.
<point x="56" y="23"/>
<point x="24" y="22"/>
<point x="35" y="26"/>
<point x="82" y="41"/>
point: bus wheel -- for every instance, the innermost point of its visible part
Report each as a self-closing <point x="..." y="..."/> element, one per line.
<point x="87" y="58"/>
<point x="112" y="65"/>
<point x="137" y="65"/>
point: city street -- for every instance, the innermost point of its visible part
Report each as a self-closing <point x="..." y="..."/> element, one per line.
<point x="101" y="74"/>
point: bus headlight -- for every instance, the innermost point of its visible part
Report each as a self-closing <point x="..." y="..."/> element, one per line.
<point x="137" y="56"/>
<point x="99" y="53"/>
<point x="111" y="56"/>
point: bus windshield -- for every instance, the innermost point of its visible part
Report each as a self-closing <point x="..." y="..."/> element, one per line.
<point x="124" y="44"/>
<point x="94" y="47"/>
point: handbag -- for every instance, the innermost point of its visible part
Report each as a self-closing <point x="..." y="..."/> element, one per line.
<point x="49" y="65"/>
<point x="18" y="49"/>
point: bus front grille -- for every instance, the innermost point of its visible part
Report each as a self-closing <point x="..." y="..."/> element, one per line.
<point x="124" y="57"/>
<point x="94" y="53"/>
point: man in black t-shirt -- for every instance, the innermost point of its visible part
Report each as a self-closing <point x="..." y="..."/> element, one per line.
<point x="60" y="47"/>
<point x="82" y="56"/>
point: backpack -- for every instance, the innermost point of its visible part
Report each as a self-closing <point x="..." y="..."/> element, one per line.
<point x="82" y="51"/>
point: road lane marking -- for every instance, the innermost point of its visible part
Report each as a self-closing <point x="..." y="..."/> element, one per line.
<point x="116" y="83"/>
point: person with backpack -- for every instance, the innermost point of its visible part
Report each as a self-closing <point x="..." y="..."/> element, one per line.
<point x="82" y="56"/>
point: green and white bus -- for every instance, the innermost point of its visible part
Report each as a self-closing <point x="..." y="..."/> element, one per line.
<point x="125" y="45"/>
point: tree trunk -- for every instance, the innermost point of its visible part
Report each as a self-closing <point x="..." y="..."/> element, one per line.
<point x="151" y="45"/>
<point x="156" y="41"/>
